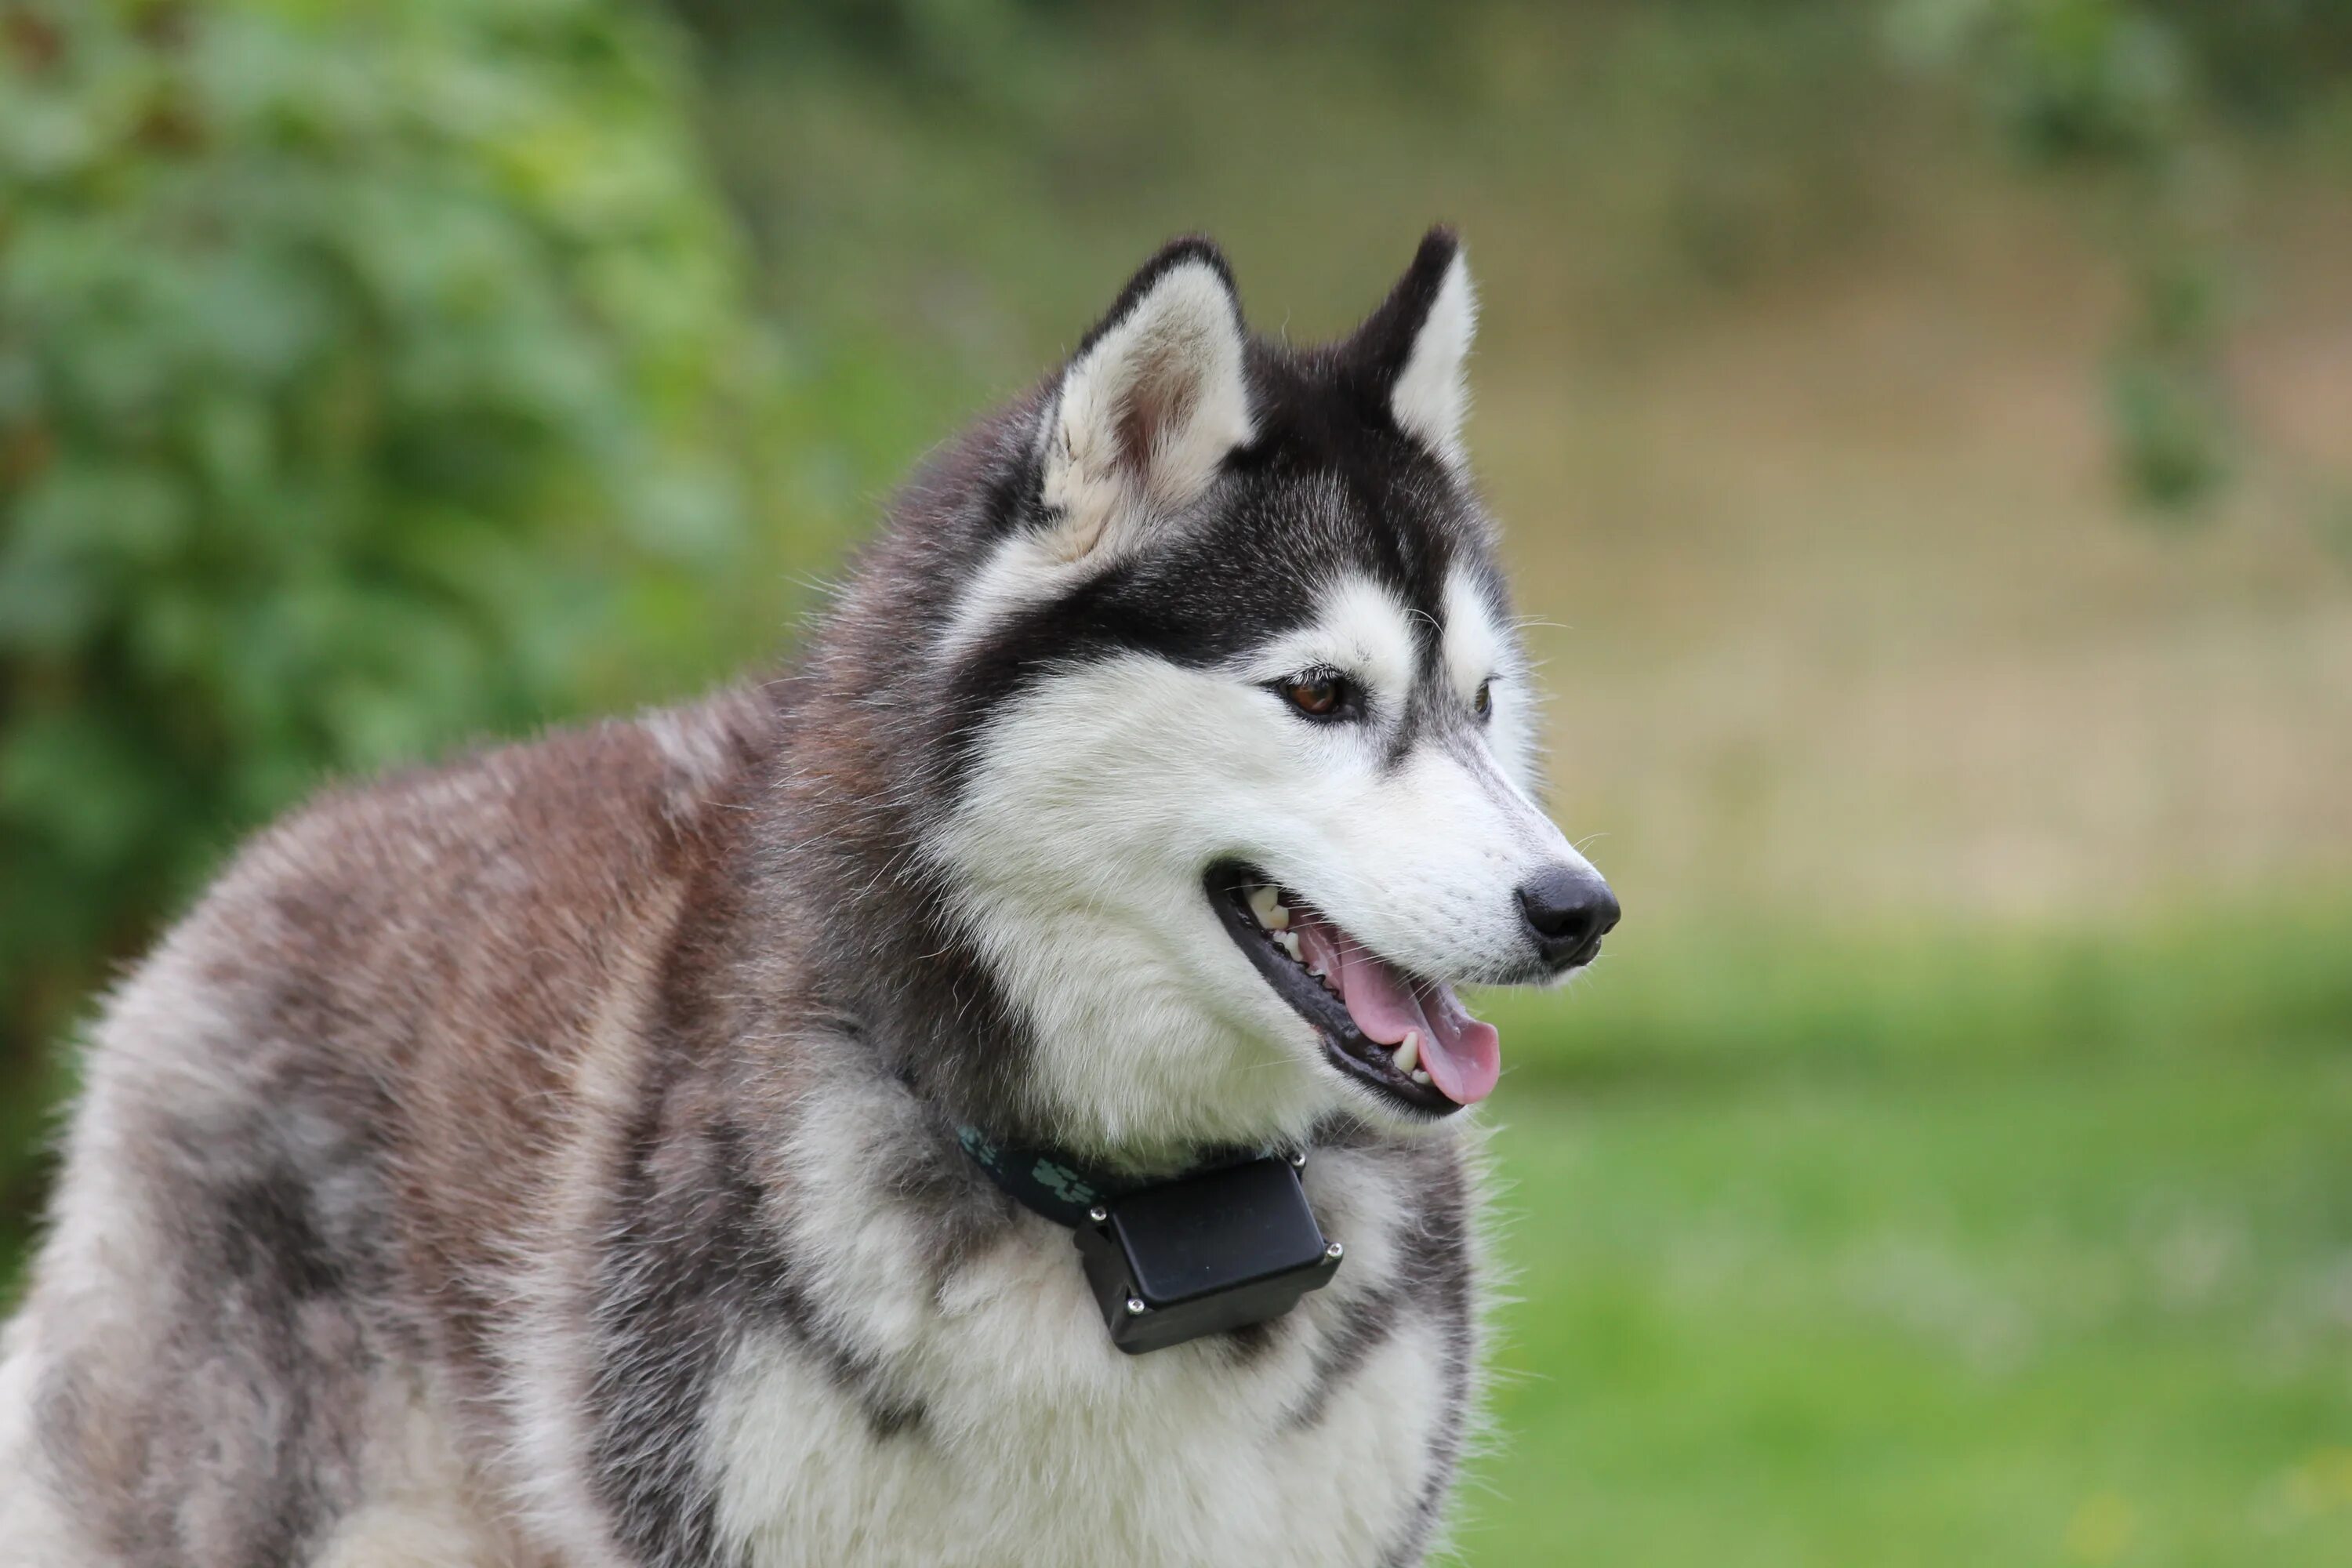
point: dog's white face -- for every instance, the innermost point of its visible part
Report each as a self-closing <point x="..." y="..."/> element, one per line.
<point x="1230" y="866"/>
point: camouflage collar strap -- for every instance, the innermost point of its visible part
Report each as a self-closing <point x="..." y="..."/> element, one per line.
<point x="1051" y="1182"/>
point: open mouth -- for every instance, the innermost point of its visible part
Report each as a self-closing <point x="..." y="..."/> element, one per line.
<point x="1406" y="1038"/>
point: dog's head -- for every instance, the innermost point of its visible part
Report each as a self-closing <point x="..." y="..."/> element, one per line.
<point x="1243" y="787"/>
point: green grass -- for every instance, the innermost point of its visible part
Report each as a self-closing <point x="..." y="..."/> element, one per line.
<point x="1952" y="1310"/>
<point x="1713" y="1002"/>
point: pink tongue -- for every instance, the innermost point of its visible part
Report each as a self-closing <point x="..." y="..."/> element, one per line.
<point x="1464" y="1056"/>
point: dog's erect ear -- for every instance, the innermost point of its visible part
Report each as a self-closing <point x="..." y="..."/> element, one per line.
<point x="1153" y="403"/>
<point x="1414" y="345"/>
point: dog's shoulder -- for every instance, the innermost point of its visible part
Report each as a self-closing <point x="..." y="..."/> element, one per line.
<point x="539" y="815"/>
<point x="403" y="976"/>
<point x="538" y="848"/>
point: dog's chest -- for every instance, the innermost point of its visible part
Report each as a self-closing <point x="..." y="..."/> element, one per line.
<point x="995" y="1423"/>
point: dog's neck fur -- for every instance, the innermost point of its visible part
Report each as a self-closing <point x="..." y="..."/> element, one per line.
<point x="865" y="743"/>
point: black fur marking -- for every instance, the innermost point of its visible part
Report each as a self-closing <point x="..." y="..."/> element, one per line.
<point x="1428" y="1509"/>
<point x="1383" y="345"/>
<point x="659" y="1329"/>
<point x="854" y="1373"/>
<point x="695" y="1264"/>
<point x="267" y="1239"/>
<point x="934" y="1011"/>
<point x="694" y="1267"/>
<point x="1434" y="1271"/>
<point x="258" y="1379"/>
<point x="1252" y="1342"/>
<point x="1371" y="1323"/>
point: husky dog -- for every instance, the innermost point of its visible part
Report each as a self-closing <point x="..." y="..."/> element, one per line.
<point x="557" y="1157"/>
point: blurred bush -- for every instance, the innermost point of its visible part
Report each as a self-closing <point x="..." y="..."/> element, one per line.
<point x="1740" y="133"/>
<point x="2152" y="104"/>
<point x="373" y="372"/>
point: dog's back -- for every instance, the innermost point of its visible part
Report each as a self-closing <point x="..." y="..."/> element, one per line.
<point x="315" y="1153"/>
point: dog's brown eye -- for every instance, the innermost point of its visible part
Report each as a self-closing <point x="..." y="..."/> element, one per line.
<point x="1484" y="703"/>
<point x="1319" y="693"/>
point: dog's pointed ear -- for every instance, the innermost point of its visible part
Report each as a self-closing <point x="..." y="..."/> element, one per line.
<point x="1414" y="345"/>
<point x="1154" y="399"/>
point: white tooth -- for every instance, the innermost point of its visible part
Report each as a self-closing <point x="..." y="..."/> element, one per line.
<point x="1277" y="917"/>
<point x="1408" y="1051"/>
<point x="1419" y="1076"/>
<point x="1288" y="941"/>
<point x="1265" y="902"/>
<point x="1315" y="969"/>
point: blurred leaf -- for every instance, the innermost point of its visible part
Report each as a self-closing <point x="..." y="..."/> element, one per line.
<point x="2138" y="99"/>
<point x="82" y="781"/>
<point x="334" y="339"/>
<point x="2334" y="519"/>
<point x="2172" y="432"/>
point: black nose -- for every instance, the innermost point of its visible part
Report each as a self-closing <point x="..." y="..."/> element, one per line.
<point x="1568" y="911"/>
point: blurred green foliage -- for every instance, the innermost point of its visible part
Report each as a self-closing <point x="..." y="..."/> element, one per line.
<point x="2150" y="104"/>
<point x="2147" y="115"/>
<point x="372" y="374"/>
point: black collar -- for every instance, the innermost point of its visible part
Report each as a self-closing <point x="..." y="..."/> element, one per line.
<point x="1064" y="1189"/>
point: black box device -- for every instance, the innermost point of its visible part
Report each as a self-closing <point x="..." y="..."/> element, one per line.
<point x="1205" y="1252"/>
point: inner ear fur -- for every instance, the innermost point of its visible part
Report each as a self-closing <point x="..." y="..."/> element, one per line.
<point x="1151" y="404"/>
